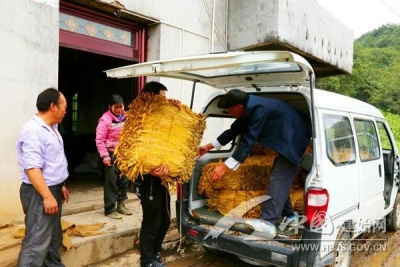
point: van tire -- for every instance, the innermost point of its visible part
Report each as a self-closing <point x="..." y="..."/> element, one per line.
<point x="342" y="249"/>
<point x="393" y="218"/>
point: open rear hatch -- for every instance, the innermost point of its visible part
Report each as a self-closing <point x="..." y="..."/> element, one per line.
<point x="225" y="70"/>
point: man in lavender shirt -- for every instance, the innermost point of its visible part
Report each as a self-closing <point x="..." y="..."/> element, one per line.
<point x="43" y="171"/>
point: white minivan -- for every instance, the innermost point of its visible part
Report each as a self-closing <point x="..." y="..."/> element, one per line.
<point x="352" y="170"/>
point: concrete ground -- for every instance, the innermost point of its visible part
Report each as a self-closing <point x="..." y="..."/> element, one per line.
<point x="85" y="208"/>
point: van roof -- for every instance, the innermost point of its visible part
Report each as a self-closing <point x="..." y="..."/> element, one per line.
<point x="329" y="100"/>
<point x="227" y="69"/>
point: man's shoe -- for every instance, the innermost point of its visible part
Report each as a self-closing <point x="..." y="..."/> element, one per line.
<point x="262" y="226"/>
<point x="158" y="259"/>
<point x="263" y="230"/>
<point x="291" y="220"/>
<point x="154" y="264"/>
<point x="122" y="209"/>
<point x="114" y="215"/>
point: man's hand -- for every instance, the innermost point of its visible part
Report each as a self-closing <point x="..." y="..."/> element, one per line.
<point x="160" y="171"/>
<point x="65" y="194"/>
<point x="50" y="205"/>
<point x="204" y="149"/>
<point x="174" y="101"/>
<point x="49" y="202"/>
<point x="218" y="172"/>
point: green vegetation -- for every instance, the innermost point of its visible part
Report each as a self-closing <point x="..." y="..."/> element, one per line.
<point x="394" y="122"/>
<point x="375" y="78"/>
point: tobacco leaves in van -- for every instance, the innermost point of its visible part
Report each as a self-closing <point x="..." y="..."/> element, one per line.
<point x="249" y="181"/>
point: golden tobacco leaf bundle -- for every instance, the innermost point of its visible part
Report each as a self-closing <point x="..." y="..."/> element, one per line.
<point x="158" y="132"/>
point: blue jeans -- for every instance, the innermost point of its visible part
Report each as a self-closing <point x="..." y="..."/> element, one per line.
<point x="115" y="187"/>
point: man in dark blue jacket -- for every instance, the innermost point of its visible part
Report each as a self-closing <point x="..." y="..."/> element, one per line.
<point x="274" y="124"/>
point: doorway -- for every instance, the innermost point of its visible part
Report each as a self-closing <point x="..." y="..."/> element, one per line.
<point x="87" y="89"/>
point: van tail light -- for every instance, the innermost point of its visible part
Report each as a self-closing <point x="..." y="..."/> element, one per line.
<point x="317" y="200"/>
<point x="179" y="192"/>
<point x="193" y="233"/>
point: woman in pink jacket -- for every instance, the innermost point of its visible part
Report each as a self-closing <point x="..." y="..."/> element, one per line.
<point x="107" y="135"/>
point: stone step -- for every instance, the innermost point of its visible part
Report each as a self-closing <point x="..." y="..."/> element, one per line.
<point x="175" y="248"/>
<point x="86" y="208"/>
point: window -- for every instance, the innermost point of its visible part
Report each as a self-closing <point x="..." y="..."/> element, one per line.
<point x="388" y="159"/>
<point x="215" y="126"/>
<point x="339" y="140"/>
<point x="384" y="136"/>
<point x="86" y="29"/>
<point x="94" y="29"/>
<point x="367" y="139"/>
<point x="75" y="113"/>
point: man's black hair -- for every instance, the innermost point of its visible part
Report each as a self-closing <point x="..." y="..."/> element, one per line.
<point x="154" y="87"/>
<point x="45" y="98"/>
<point x="232" y="98"/>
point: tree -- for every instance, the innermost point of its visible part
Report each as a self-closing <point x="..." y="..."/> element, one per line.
<point x="376" y="70"/>
<point x="376" y="74"/>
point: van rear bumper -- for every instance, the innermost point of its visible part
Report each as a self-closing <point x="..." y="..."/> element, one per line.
<point x="267" y="252"/>
<point x="263" y="251"/>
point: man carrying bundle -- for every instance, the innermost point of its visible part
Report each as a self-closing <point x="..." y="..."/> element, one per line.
<point x="155" y="201"/>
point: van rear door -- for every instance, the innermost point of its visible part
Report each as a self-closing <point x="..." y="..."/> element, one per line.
<point x="230" y="69"/>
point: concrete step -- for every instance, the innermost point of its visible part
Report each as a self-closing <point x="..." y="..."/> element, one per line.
<point x="174" y="250"/>
<point x="86" y="208"/>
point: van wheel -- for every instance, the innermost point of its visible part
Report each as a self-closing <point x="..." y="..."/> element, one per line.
<point x="342" y="250"/>
<point x="393" y="218"/>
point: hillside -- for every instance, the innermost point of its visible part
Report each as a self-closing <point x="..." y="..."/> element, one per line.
<point x="376" y="73"/>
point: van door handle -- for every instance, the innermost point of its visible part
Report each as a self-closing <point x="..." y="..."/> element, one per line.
<point x="380" y="170"/>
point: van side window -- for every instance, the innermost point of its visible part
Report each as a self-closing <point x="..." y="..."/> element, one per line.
<point x="384" y="136"/>
<point x="367" y="139"/>
<point x="339" y="140"/>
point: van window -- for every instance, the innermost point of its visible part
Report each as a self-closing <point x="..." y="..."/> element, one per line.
<point x="384" y="136"/>
<point x="367" y="139"/>
<point x="214" y="127"/>
<point x="339" y="140"/>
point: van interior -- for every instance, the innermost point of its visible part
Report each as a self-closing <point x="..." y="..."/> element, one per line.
<point x="200" y="204"/>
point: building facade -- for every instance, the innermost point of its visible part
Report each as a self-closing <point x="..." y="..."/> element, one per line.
<point x="68" y="44"/>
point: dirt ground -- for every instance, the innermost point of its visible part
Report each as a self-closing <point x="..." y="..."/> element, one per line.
<point x="370" y="250"/>
<point x="373" y="250"/>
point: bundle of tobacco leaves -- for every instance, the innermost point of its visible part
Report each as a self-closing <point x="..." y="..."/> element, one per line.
<point x="158" y="132"/>
<point x="236" y="203"/>
<point x="297" y="199"/>
<point x="253" y="174"/>
<point x="237" y="192"/>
